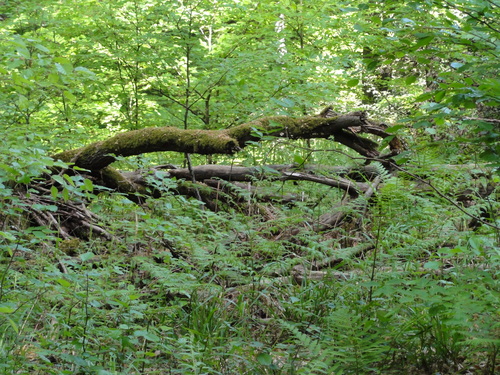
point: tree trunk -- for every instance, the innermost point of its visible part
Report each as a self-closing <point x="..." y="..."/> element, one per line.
<point x="344" y="129"/>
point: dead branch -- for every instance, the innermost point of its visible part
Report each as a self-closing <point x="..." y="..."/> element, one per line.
<point x="273" y="173"/>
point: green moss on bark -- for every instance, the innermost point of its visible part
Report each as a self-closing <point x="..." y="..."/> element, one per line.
<point x="206" y="142"/>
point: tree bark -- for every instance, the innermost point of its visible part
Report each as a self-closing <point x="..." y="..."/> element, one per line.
<point x="278" y="172"/>
<point x="99" y="155"/>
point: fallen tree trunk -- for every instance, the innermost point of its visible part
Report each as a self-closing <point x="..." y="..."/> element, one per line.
<point x="99" y="155"/>
<point x="288" y="172"/>
<point x="94" y="162"/>
<point x="221" y="185"/>
<point x="238" y="173"/>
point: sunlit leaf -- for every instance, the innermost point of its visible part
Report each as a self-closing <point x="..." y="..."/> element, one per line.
<point x="352" y="82"/>
<point x="63" y="282"/>
<point x="411" y="79"/>
<point x="60" y="69"/>
<point x="68" y="95"/>
<point x="298" y="159"/>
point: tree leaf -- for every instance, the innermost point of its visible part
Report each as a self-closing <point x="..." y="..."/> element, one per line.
<point x="23" y="102"/>
<point x="88" y="185"/>
<point x="60" y="69"/>
<point x="409" y="80"/>
<point x="298" y="159"/>
<point x="359" y="27"/>
<point x="352" y="82"/>
<point x="423" y="41"/>
<point x="68" y="95"/>
<point x="42" y="48"/>
<point x="439" y="95"/>
<point x="394" y="129"/>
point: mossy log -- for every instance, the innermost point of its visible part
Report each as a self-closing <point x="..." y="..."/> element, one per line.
<point x="99" y="155"/>
<point x="345" y="129"/>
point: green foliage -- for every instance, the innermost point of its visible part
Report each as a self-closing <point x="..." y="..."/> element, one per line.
<point x="181" y="294"/>
<point x="179" y="289"/>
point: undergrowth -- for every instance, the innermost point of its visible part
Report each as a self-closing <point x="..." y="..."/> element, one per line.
<point x="182" y="290"/>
